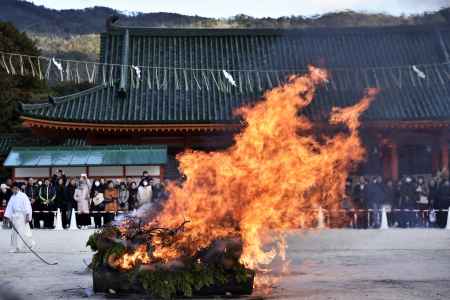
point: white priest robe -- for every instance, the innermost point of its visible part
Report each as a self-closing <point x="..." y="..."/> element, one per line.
<point x="19" y="213"/>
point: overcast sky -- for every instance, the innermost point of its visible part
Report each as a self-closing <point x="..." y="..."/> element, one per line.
<point x="257" y="8"/>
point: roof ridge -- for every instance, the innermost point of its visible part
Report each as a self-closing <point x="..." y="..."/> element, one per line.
<point x="91" y="147"/>
<point x="272" y="31"/>
<point x="62" y="99"/>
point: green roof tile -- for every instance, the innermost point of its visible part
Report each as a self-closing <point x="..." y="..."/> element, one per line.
<point x="180" y="100"/>
<point x="86" y="156"/>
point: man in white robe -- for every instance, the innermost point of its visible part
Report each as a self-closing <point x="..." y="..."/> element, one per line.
<point x="19" y="212"/>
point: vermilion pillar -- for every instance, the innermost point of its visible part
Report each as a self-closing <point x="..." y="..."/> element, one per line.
<point x="444" y="153"/>
<point x="394" y="161"/>
<point x="435" y="158"/>
<point x="386" y="162"/>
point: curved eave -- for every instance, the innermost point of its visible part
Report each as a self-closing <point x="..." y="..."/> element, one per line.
<point x="111" y="127"/>
<point x="211" y="127"/>
<point x="422" y="124"/>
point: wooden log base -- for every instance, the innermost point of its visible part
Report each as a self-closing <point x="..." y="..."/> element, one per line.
<point x="110" y="281"/>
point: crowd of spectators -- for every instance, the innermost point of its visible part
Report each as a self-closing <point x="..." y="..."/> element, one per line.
<point x="96" y="199"/>
<point x="409" y="202"/>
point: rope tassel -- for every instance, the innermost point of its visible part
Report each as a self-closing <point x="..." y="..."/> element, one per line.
<point x="22" y="71"/>
<point x="77" y="73"/>
<point x="39" y="68"/>
<point x="47" y="72"/>
<point x="33" y="73"/>
<point x="68" y="75"/>
<point x="196" y="81"/>
<point x="11" y="66"/>
<point x="111" y="76"/>
<point x="91" y="76"/>
<point x="149" y="79"/>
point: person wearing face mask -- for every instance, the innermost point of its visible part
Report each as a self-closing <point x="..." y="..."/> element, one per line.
<point x="37" y="206"/>
<point x="69" y="193"/>
<point x="60" y="202"/>
<point x="390" y="194"/>
<point x="32" y="192"/>
<point x="9" y="184"/>
<point x="145" y="177"/>
<point x="375" y="199"/>
<point x="443" y="202"/>
<point x="19" y="212"/>
<point x="407" y="202"/>
<point x="47" y="195"/>
<point x="124" y="195"/>
<point x="132" y="199"/>
<point x="97" y="203"/>
<point x="4" y="194"/>
<point x="360" y="202"/>
<point x="111" y="195"/>
<point x="433" y="190"/>
<point x="144" y="194"/>
<point x="422" y="201"/>
<point x="82" y="198"/>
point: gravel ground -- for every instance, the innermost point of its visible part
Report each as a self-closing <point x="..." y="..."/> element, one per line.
<point x="327" y="264"/>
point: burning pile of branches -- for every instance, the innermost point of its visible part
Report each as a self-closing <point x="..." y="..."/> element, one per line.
<point x="240" y="201"/>
<point x="130" y="249"/>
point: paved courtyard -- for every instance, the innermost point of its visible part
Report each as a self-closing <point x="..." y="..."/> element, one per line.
<point x="327" y="264"/>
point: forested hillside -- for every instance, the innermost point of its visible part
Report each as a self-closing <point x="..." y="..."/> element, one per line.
<point x="74" y="33"/>
<point x="38" y="19"/>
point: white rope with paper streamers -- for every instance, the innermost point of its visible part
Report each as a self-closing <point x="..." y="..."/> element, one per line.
<point x="224" y="80"/>
<point x="419" y="73"/>
<point x="59" y="67"/>
<point x="138" y="72"/>
<point x="229" y="77"/>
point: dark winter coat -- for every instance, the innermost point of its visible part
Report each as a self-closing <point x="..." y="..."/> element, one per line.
<point x="375" y="194"/>
<point x="443" y="198"/>
<point x="32" y="191"/>
<point x="98" y="189"/>
<point x="360" y="196"/>
<point x="60" y="200"/>
<point x="47" y="195"/>
<point x="407" y="196"/>
<point x="390" y="194"/>
<point x="69" y="191"/>
<point x="433" y="195"/>
<point x="132" y="199"/>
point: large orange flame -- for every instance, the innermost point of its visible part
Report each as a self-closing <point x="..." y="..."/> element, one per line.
<point x="272" y="179"/>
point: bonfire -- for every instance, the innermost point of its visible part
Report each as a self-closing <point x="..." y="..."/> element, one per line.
<point x="220" y="230"/>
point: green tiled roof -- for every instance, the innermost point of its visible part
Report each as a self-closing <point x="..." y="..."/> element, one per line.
<point x="86" y="156"/>
<point x="207" y="97"/>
